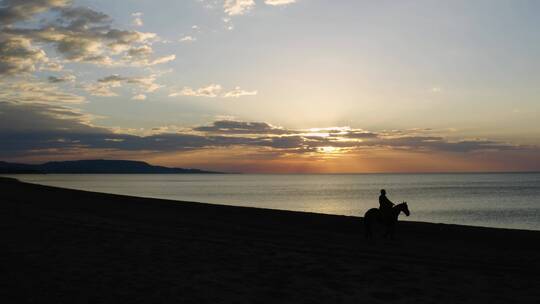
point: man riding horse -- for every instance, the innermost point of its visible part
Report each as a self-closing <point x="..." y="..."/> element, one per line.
<point x="387" y="215"/>
<point x="385" y="205"/>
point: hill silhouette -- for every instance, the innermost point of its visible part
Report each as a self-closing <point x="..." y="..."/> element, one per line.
<point x="96" y="166"/>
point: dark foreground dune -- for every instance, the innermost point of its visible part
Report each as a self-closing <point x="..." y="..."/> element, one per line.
<point x="66" y="246"/>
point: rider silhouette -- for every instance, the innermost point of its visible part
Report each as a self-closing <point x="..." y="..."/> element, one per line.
<point x="385" y="204"/>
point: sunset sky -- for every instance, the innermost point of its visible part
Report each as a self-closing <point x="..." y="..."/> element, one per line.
<point x="291" y="86"/>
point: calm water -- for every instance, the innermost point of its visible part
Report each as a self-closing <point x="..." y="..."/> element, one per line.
<point x="497" y="200"/>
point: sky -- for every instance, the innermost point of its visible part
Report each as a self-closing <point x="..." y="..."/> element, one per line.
<point x="273" y="86"/>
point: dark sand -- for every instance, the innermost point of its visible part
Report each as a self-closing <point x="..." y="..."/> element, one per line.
<point x="67" y="246"/>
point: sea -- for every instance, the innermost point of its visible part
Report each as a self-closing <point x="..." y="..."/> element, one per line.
<point x="506" y="200"/>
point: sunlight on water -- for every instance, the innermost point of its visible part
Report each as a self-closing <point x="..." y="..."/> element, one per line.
<point x="497" y="200"/>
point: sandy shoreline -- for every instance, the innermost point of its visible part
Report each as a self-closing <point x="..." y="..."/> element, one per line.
<point x="69" y="246"/>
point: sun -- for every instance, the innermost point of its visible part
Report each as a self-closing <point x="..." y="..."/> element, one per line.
<point x="328" y="149"/>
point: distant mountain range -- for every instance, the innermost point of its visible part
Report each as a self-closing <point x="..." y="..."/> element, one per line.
<point x="95" y="166"/>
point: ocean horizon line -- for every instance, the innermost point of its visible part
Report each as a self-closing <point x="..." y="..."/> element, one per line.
<point x="293" y="173"/>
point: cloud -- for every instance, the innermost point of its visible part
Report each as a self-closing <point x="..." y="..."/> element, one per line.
<point x="159" y="60"/>
<point x="431" y="143"/>
<point x="278" y="2"/>
<point x="99" y="89"/>
<point x="28" y="128"/>
<point x="17" y="55"/>
<point x="146" y="84"/>
<point x="19" y="10"/>
<point x="242" y="7"/>
<point x="187" y="39"/>
<point x="139" y="97"/>
<point x="31" y="91"/>
<point x="238" y="7"/>
<point x="79" y="18"/>
<point x="211" y="90"/>
<point x="113" y="80"/>
<point x="309" y="141"/>
<point x="137" y="19"/>
<point x="60" y="79"/>
<point x="104" y="86"/>
<point x="44" y="118"/>
<point x="228" y="23"/>
<point x="59" y="130"/>
<point x="140" y="52"/>
<point x="241" y="127"/>
<point x="358" y="134"/>
<point x="237" y="92"/>
<point x="50" y="65"/>
<point x="140" y="56"/>
<point x="78" y="34"/>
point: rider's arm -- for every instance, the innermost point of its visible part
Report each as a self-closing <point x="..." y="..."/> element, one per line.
<point x="388" y="201"/>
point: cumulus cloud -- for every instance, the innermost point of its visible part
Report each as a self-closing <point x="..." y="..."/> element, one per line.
<point x="13" y="11"/>
<point x="78" y="34"/>
<point x="238" y="7"/>
<point x="17" y="55"/>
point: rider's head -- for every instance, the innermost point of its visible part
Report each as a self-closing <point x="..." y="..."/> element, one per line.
<point x="383" y="192"/>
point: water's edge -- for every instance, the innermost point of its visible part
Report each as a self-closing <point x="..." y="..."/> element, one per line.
<point x="503" y="200"/>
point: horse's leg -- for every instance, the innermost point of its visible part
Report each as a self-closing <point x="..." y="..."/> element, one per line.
<point x="386" y="230"/>
<point x="392" y="229"/>
<point x="387" y="226"/>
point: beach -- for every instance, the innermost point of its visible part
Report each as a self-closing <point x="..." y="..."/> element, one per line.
<point x="71" y="246"/>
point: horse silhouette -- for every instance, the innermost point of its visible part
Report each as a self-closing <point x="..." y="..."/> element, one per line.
<point x="388" y="219"/>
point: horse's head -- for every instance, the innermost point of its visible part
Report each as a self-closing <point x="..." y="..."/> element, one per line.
<point x="405" y="208"/>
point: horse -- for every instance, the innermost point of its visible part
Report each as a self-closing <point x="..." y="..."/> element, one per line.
<point x="374" y="215"/>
